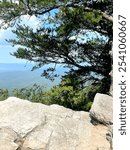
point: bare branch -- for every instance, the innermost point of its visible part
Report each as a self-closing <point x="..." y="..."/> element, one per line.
<point x="107" y="17"/>
<point x="104" y="15"/>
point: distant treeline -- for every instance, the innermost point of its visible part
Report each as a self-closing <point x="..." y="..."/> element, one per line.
<point x="69" y="93"/>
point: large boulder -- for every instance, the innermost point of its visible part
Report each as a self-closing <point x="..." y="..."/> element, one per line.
<point x="33" y="126"/>
<point x="101" y="110"/>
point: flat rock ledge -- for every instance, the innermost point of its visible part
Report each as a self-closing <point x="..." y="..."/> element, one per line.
<point x="33" y="126"/>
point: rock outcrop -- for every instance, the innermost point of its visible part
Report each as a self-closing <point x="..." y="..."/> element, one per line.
<point x="33" y="126"/>
<point x="111" y="85"/>
<point x="101" y="110"/>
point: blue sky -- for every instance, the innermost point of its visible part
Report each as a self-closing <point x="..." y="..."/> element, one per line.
<point x="6" y="48"/>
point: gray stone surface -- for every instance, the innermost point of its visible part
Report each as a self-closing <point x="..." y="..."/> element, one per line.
<point x="102" y="110"/>
<point x="111" y="85"/>
<point x="109" y="136"/>
<point x="7" y="139"/>
<point x="32" y="126"/>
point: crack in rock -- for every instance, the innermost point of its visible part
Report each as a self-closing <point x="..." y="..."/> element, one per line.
<point x="22" y="140"/>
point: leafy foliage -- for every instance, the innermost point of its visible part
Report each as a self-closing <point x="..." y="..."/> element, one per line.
<point x="66" y="94"/>
<point x="33" y="94"/>
<point x="59" y="38"/>
<point x="76" y="34"/>
<point x="3" y="94"/>
<point x="69" y="93"/>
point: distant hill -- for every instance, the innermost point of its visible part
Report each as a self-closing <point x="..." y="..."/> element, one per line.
<point x="20" y="75"/>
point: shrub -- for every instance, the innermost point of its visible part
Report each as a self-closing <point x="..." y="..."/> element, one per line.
<point x="33" y="93"/>
<point x="3" y="94"/>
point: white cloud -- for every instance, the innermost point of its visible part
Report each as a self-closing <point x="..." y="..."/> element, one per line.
<point x="31" y="21"/>
<point x="1" y="30"/>
<point x="6" y="48"/>
<point x="1" y="33"/>
<point x="86" y="35"/>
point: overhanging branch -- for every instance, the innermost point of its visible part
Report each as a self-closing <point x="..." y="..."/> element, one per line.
<point x="42" y="10"/>
<point x="104" y="15"/>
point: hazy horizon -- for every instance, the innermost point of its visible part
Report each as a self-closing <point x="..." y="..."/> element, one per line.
<point x="15" y="75"/>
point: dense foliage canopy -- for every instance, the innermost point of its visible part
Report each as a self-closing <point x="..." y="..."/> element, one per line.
<point x="74" y="33"/>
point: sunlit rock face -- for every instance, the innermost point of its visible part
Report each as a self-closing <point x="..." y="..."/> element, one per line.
<point x="33" y="126"/>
